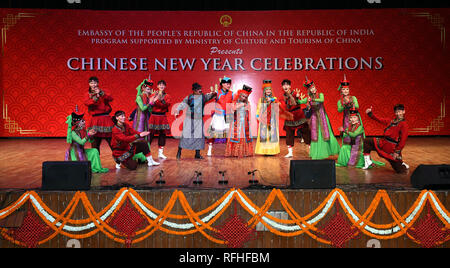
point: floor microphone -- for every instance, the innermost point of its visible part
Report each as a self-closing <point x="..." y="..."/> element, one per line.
<point x="223" y="181"/>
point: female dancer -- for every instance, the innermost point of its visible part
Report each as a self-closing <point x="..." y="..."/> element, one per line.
<point x="323" y="142"/>
<point x="351" y="153"/>
<point x="77" y="136"/>
<point x="99" y="108"/>
<point x="239" y="143"/>
<point x="268" y="141"/>
<point x="346" y="103"/>
<point x="159" y="124"/>
<point x="142" y="112"/>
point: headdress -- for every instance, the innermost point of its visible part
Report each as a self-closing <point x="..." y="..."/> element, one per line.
<point x="267" y="84"/>
<point x="71" y="121"/>
<point x="353" y="111"/>
<point x="245" y="90"/>
<point x="344" y="83"/>
<point x="147" y="81"/>
<point x="225" y="80"/>
<point x="308" y="83"/>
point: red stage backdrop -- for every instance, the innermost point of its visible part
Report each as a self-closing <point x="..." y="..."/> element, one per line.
<point x="389" y="55"/>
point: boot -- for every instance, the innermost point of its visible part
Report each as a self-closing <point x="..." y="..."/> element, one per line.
<point x="209" y="150"/>
<point x="197" y="155"/>
<point x="289" y="155"/>
<point x="179" y="153"/>
<point x="151" y="162"/>
<point x="367" y="162"/>
<point x="161" y="154"/>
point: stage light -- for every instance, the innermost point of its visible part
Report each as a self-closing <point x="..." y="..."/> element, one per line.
<point x="74" y="1"/>
<point x="374" y="1"/>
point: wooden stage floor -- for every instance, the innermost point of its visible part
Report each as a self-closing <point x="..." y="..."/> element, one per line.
<point x="21" y="165"/>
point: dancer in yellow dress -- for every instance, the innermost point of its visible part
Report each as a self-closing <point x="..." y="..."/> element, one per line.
<point x="268" y="141"/>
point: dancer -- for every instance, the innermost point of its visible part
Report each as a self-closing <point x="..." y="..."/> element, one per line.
<point x="159" y="124"/>
<point x="77" y="136"/>
<point x="239" y="143"/>
<point x="323" y="142"/>
<point x="268" y="141"/>
<point x="141" y="114"/>
<point x="193" y="137"/>
<point x="390" y="146"/>
<point x="220" y="120"/>
<point x="298" y="122"/>
<point x="351" y="153"/>
<point x="99" y="108"/>
<point x="346" y="103"/>
<point x="128" y="147"/>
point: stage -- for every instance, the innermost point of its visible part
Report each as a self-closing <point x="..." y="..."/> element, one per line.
<point x="21" y="165"/>
<point x="378" y="197"/>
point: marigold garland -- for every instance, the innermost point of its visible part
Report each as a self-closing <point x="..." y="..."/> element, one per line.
<point x="202" y="221"/>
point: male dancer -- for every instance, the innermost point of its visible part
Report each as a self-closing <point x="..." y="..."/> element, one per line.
<point x="391" y="145"/>
<point x="193" y="137"/>
<point x="298" y="122"/>
<point x="220" y="123"/>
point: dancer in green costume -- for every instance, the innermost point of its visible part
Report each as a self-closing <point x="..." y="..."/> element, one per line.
<point x="77" y="136"/>
<point x="347" y="102"/>
<point x="323" y="141"/>
<point x="351" y="153"/>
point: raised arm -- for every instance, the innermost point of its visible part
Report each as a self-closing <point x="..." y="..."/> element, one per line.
<point x="321" y="98"/>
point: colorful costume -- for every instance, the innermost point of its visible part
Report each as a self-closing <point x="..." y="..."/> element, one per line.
<point x="158" y="120"/>
<point x="142" y="113"/>
<point x="128" y="147"/>
<point x="267" y="111"/>
<point x="323" y="142"/>
<point x="351" y="152"/>
<point x="393" y="141"/>
<point x="346" y="103"/>
<point x="298" y="123"/>
<point x="77" y="137"/>
<point x="99" y="109"/>
<point x="220" y="122"/>
<point x="239" y="143"/>
<point x="193" y="137"/>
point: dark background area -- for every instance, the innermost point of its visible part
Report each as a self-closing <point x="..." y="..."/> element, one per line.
<point x="221" y="4"/>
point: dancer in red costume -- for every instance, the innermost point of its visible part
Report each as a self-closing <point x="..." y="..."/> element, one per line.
<point x="239" y="143"/>
<point x="298" y="123"/>
<point x="128" y="147"/>
<point x="390" y="146"/>
<point x="99" y="108"/>
<point x="160" y="101"/>
<point x="220" y="122"/>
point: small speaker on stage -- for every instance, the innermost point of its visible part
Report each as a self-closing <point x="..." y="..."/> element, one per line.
<point x="66" y="175"/>
<point x="431" y="177"/>
<point x="313" y="174"/>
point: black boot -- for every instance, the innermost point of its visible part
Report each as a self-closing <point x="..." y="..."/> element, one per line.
<point x="197" y="155"/>
<point x="179" y="153"/>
